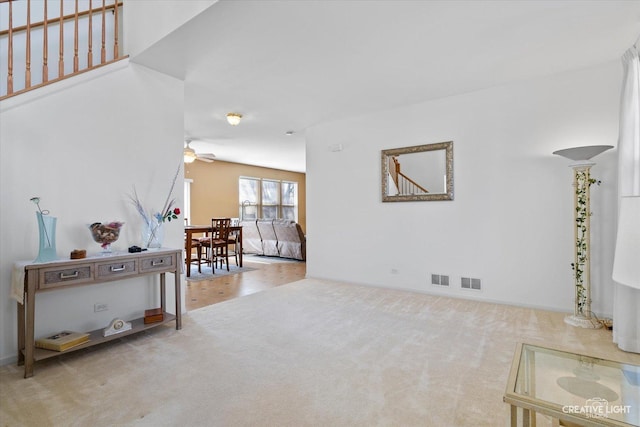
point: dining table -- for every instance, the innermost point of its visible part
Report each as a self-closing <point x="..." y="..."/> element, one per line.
<point x="190" y="230"/>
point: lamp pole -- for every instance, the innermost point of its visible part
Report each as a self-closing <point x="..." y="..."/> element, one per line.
<point x="582" y="181"/>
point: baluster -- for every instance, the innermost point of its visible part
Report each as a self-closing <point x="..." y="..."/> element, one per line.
<point x="10" y="52"/>
<point x="115" y="30"/>
<point x="31" y="25"/>
<point x="75" y="40"/>
<point x="61" y="48"/>
<point x="90" y="54"/>
<point x="27" y="72"/>
<point x="45" y="45"/>
<point x="103" y="51"/>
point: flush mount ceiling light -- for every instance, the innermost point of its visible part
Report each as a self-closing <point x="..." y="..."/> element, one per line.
<point x="234" y="118"/>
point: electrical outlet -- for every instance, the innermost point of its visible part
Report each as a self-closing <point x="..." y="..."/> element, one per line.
<point x="100" y="307"/>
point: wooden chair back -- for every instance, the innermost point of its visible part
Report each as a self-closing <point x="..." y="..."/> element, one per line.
<point x="220" y="227"/>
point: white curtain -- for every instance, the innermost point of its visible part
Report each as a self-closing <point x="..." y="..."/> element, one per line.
<point x="626" y="303"/>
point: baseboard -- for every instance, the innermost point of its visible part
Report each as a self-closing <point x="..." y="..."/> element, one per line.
<point x="8" y="360"/>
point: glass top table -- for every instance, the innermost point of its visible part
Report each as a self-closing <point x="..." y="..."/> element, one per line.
<point x="572" y="388"/>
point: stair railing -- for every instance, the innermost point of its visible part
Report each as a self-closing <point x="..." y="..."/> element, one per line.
<point x="23" y="38"/>
<point x="404" y="184"/>
<point x="408" y="186"/>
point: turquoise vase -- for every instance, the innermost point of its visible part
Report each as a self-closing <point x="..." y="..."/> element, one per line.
<point x="47" y="228"/>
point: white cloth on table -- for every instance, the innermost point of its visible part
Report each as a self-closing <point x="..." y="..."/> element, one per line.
<point x="17" y="280"/>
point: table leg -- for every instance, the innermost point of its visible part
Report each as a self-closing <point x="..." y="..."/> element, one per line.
<point x="240" y="254"/>
<point x="178" y="300"/>
<point x="29" y="335"/>
<point x="188" y="254"/>
<point x="163" y="295"/>
<point x="21" y="333"/>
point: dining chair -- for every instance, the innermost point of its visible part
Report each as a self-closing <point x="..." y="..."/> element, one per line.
<point x="234" y="236"/>
<point x="218" y="243"/>
<point x="190" y="246"/>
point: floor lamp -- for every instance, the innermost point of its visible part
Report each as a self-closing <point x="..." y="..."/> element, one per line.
<point x="582" y="227"/>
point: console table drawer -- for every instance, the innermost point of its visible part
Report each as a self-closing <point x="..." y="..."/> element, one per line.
<point x="52" y="278"/>
<point x="117" y="269"/>
<point x="157" y="263"/>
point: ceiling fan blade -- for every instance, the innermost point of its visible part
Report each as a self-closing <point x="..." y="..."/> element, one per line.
<point x="208" y="157"/>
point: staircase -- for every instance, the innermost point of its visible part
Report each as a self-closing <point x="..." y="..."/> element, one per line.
<point x="404" y="184"/>
<point x="45" y="41"/>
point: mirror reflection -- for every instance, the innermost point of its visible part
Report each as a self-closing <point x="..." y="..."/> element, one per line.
<point x="418" y="173"/>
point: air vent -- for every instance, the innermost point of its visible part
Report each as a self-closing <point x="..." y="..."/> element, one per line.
<point x="439" y="280"/>
<point x="471" y="283"/>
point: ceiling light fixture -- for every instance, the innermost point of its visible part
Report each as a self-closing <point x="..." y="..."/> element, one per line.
<point x="189" y="154"/>
<point x="289" y="133"/>
<point x="234" y="118"/>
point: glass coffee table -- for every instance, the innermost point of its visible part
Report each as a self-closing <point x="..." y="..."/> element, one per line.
<point x="573" y="389"/>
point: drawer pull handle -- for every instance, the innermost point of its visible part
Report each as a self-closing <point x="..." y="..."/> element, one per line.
<point x="154" y="263"/>
<point x="70" y="276"/>
<point x="116" y="269"/>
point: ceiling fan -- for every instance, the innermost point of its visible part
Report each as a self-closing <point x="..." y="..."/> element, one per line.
<point x="190" y="154"/>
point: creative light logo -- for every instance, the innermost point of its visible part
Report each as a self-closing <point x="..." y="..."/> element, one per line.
<point x="596" y="407"/>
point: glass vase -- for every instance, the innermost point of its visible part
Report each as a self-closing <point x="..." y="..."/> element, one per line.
<point x="47" y="230"/>
<point x="152" y="235"/>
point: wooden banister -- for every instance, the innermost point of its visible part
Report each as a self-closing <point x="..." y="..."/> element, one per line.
<point x="81" y="33"/>
<point x="10" y="51"/>
<point x="404" y="184"/>
<point x="68" y="17"/>
<point x="409" y="186"/>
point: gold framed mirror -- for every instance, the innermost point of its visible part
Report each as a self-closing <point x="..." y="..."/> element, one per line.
<point x="418" y="173"/>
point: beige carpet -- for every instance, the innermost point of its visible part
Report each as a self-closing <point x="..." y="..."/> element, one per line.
<point x="311" y="353"/>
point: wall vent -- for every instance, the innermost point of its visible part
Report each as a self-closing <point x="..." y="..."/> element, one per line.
<point x="439" y="280"/>
<point x="471" y="283"/>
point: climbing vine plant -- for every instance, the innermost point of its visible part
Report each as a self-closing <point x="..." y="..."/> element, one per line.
<point x="583" y="182"/>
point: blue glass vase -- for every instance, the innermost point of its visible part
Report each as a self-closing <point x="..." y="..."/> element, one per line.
<point x="153" y="234"/>
<point x="47" y="229"/>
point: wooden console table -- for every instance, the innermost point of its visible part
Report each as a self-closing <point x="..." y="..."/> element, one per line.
<point x="62" y="274"/>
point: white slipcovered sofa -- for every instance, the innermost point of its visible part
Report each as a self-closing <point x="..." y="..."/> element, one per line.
<point x="274" y="237"/>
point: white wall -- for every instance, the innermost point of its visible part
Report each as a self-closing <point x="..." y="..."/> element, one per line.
<point x="511" y="223"/>
<point x="147" y="21"/>
<point x="81" y="145"/>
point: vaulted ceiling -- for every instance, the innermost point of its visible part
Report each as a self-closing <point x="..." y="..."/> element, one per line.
<point x="288" y="65"/>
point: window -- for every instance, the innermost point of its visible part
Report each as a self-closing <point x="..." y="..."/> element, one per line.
<point x="186" y="209"/>
<point x="268" y="198"/>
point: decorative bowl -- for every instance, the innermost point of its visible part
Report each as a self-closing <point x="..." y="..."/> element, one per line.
<point x="105" y="234"/>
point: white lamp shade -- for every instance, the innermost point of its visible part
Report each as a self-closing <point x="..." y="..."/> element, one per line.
<point x="626" y="264"/>
<point x="582" y="153"/>
<point x="189" y="155"/>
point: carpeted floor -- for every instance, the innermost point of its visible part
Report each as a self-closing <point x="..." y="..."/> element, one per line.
<point x="310" y="353"/>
